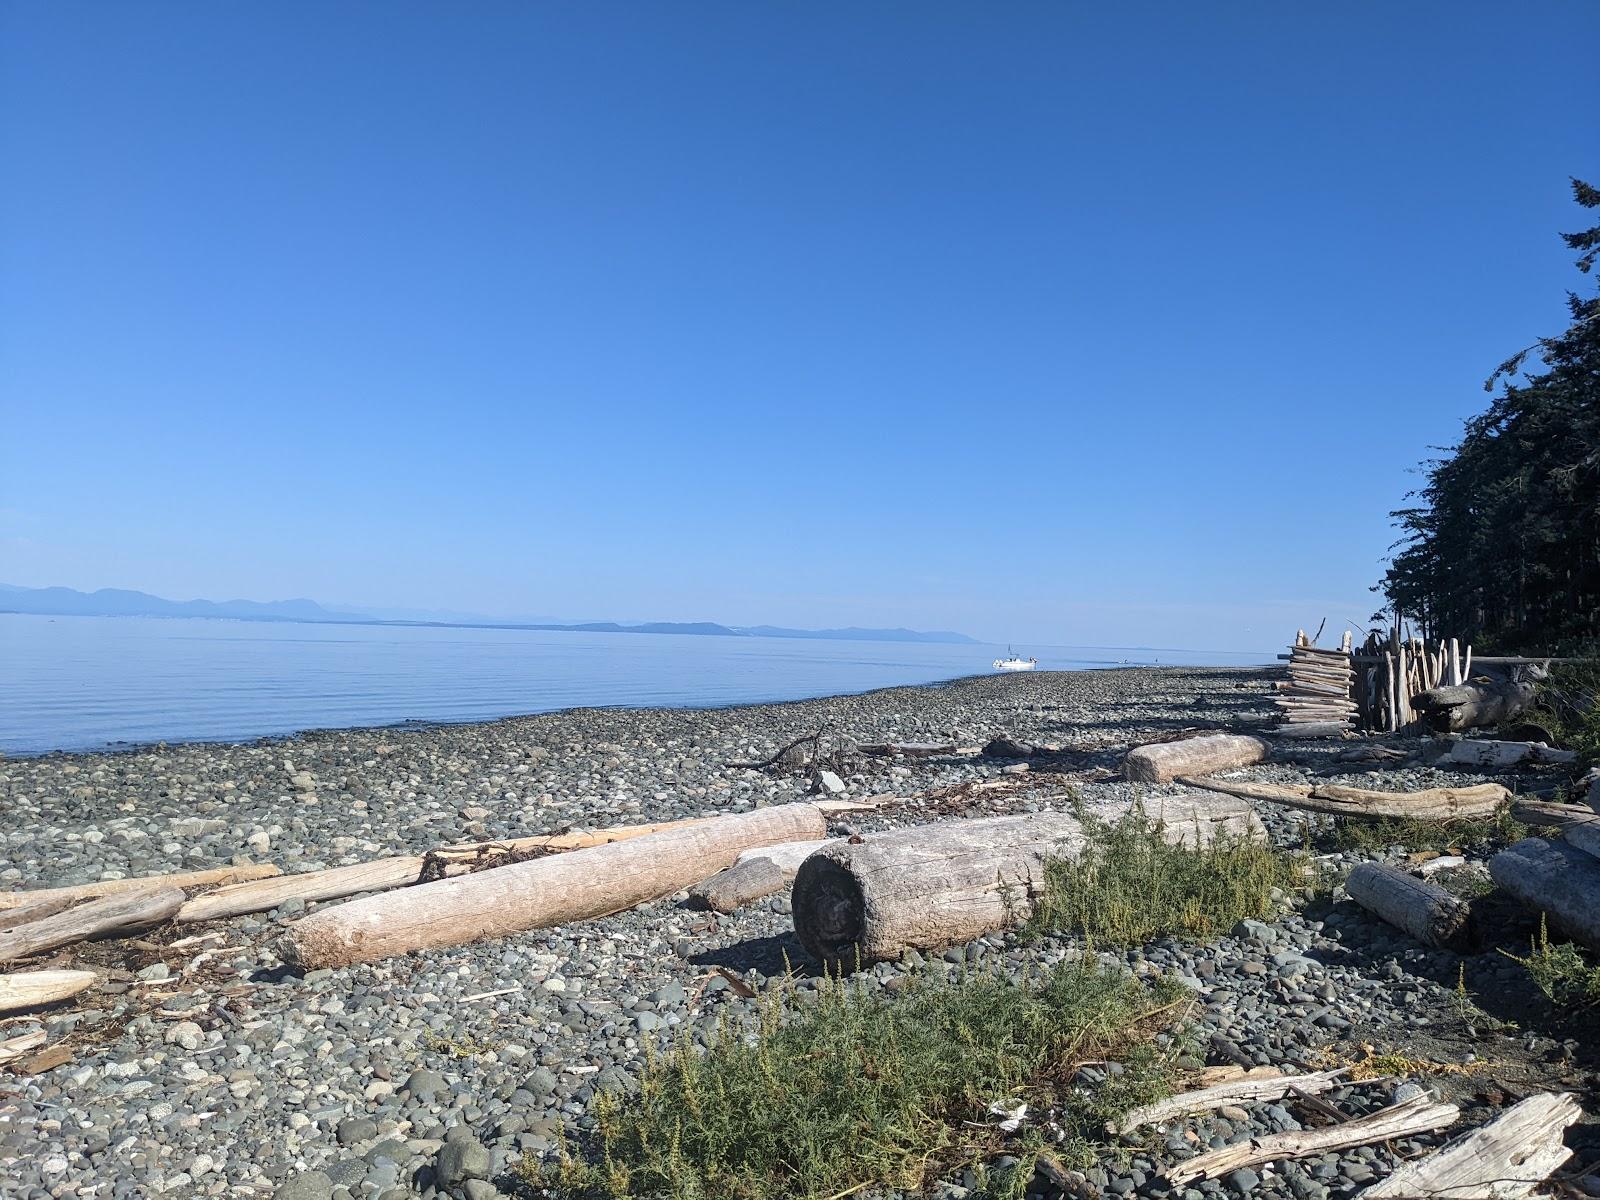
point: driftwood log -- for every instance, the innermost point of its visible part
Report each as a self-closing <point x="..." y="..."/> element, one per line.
<point x="1424" y="910"/>
<point x="1431" y="804"/>
<point x="1163" y="762"/>
<point x="1491" y="697"/>
<point x="1547" y="814"/>
<point x="1477" y="754"/>
<point x="34" y="989"/>
<point x="1398" y="1120"/>
<point x="1312" y="729"/>
<point x="755" y="874"/>
<point x="1559" y="880"/>
<point x="1245" y="1091"/>
<point x="932" y="886"/>
<point x="541" y="892"/>
<point x="108" y="915"/>
<point x="116" y="887"/>
<point x="1509" y="1157"/>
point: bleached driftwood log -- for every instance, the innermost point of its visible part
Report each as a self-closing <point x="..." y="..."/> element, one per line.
<point x="1547" y="814"/>
<point x="117" y="887"/>
<point x="1241" y="1091"/>
<point x="933" y="886"/>
<point x="35" y="910"/>
<point x="1559" y="880"/>
<point x="1476" y="754"/>
<point x="1163" y="762"/>
<point x="755" y="874"/>
<point x="1505" y="1159"/>
<point x="1490" y="698"/>
<point x="1398" y="1120"/>
<point x="577" y="886"/>
<point x="98" y="918"/>
<point x="34" y="989"/>
<point x="1424" y="910"/>
<point x="1431" y="804"/>
<point x="1313" y="729"/>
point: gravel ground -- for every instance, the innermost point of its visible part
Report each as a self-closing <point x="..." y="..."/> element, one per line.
<point x="230" y="1075"/>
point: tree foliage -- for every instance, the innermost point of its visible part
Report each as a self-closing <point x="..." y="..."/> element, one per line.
<point x="1503" y="545"/>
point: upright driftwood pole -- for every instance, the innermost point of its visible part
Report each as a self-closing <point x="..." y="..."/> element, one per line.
<point x="576" y="886"/>
<point x="1163" y="762"/>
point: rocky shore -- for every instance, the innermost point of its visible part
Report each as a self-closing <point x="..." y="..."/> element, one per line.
<point x="214" y="1070"/>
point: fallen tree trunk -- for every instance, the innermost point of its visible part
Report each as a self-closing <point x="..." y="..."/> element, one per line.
<point x="1431" y="804"/>
<point x="34" y="989"/>
<point x="1486" y="700"/>
<point x="933" y="886"/>
<point x="1507" y="1158"/>
<point x="1248" y="1091"/>
<point x="757" y="873"/>
<point x="1476" y="754"/>
<point x="1424" y="910"/>
<point x="1557" y="879"/>
<point x="1163" y="762"/>
<point x="117" y="887"/>
<point x="1421" y="1115"/>
<point x="542" y="892"/>
<point x="98" y="918"/>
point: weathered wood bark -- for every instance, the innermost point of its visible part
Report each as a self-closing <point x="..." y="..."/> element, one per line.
<point x="757" y="873"/>
<point x="933" y="886"/>
<point x="1424" y="910"/>
<point x="1431" y="804"/>
<point x="578" y="886"/>
<point x="1475" y="754"/>
<point x="1248" y="1091"/>
<point x="1166" y="761"/>
<point x="98" y="918"/>
<point x="1398" y="1120"/>
<point x="1505" y="1159"/>
<point x="265" y="894"/>
<point x="1559" y="880"/>
<point x="117" y="887"/>
<point x="1489" y="699"/>
<point x="34" y="989"/>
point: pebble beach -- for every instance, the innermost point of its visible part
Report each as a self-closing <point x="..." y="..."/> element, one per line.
<point x="213" y="1069"/>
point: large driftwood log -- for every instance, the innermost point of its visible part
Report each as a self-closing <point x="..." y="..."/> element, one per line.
<point x="1163" y="762"/>
<point x="1431" y="804"/>
<point x="932" y="886"/>
<point x="98" y="918"/>
<point x="757" y="873"/>
<point x="34" y="989"/>
<point x="116" y="887"/>
<point x="1492" y="697"/>
<point x="1547" y="814"/>
<point x="578" y="886"/>
<point x="1507" y="1158"/>
<point x="1557" y="879"/>
<point x="1424" y="910"/>
<point x="1247" y="1091"/>
<point x="1398" y="1120"/>
<point x="1476" y="754"/>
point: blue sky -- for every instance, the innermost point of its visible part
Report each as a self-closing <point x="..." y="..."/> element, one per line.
<point x="1116" y="324"/>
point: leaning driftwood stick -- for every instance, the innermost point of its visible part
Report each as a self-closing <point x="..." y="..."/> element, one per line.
<point x="1424" y="910"/>
<point x="1557" y="879"/>
<point x="1166" y="761"/>
<point x="1476" y="753"/>
<point x="1271" y="1087"/>
<point x="117" y="887"/>
<point x="755" y="874"/>
<point x="1432" y="804"/>
<point x="34" y="989"/>
<point x="97" y="918"/>
<point x="586" y="883"/>
<point x="1398" y="1120"/>
<point x="1507" y="1158"/>
<point x="933" y="886"/>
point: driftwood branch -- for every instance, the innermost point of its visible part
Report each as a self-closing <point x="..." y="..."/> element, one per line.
<point x="1432" y="804"/>
<point x="1507" y="1158"/>
<point x="98" y="918"/>
<point x="1162" y="762"/>
<point x="116" y="887"/>
<point x="1271" y="1087"/>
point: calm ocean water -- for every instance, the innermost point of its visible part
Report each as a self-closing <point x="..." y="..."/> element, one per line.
<point x="76" y="683"/>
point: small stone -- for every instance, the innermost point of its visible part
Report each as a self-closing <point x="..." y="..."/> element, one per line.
<point x="459" y="1161"/>
<point x="1244" y="1180"/>
<point x="1408" y="1091"/>
<point x="827" y="781"/>
<point x="357" y="1129"/>
<point x="186" y="1034"/>
<point x="424" y="1085"/>
<point x="313" y="1185"/>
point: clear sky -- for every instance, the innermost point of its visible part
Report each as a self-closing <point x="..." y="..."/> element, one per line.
<point x="1066" y="323"/>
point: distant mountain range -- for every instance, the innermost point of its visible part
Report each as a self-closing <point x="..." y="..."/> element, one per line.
<point x="118" y="602"/>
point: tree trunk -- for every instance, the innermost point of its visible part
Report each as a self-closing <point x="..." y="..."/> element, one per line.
<point x="98" y="918"/>
<point x="542" y="892"/>
<point x="1424" y="910"/>
<point x="34" y="989"/>
<point x="932" y="886"/>
<point x="117" y="887"/>
<point x="1509" y="1157"/>
<point x="1487" y="700"/>
<point x="1166" y="761"/>
<point x="1557" y="879"/>
<point x="757" y="873"/>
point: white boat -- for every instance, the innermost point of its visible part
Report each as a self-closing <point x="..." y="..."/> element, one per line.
<point x="1013" y="663"/>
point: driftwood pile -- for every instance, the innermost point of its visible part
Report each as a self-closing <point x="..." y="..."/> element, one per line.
<point x="1316" y="701"/>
